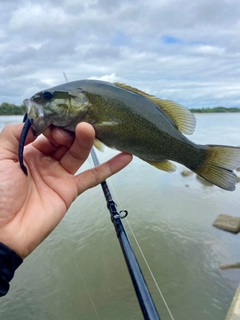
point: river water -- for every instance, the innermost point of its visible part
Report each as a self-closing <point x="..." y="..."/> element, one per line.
<point x="79" y="271"/>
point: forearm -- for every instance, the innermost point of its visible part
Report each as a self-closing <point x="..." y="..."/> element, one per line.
<point x="9" y="262"/>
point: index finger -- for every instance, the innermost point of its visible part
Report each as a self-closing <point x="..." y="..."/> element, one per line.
<point x="92" y="177"/>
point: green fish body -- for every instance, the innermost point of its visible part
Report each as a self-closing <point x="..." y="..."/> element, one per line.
<point x="130" y="120"/>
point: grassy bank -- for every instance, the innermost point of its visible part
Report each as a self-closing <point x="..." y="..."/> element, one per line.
<point x="214" y="110"/>
<point x="12" y="109"/>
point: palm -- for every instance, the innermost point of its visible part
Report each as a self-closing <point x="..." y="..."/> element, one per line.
<point x="31" y="207"/>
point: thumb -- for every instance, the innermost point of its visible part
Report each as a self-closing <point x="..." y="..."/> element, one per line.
<point x="10" y="136"/>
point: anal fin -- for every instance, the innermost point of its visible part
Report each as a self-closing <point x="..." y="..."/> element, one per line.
<point x="164" y="165"/>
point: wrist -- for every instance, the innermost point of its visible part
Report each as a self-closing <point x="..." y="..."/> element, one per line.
<point x="9" y="262"/>
<point x="13" y="246"/>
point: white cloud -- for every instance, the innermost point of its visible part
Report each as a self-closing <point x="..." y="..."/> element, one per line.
<point x="180" y="50"/>
<point x="207" y="50"/>
<point x="108" y="77"/>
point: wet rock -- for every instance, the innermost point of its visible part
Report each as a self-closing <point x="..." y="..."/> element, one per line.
<point x="230" y="266"/>
<point x="186" y="173"/>
<point x="227" y="223"/>
<point x="234" y="311"/>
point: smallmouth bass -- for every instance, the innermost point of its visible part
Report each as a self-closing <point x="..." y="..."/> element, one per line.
<point x="133" y="121"/>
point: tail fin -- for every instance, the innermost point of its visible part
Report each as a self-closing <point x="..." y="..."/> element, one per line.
<point x="219" y="165"/>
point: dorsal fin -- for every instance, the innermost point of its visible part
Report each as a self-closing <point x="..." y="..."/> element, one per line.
<point x="132" y="89"/>
<point x="181" y="116"/>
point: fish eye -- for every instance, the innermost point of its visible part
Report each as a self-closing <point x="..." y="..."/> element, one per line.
<point x="47" y="95"/>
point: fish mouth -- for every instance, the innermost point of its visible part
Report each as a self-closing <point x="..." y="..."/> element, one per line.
<point x="34" y="118"/>
<point x="34" y="110"/>
<point x="36" y="114"/>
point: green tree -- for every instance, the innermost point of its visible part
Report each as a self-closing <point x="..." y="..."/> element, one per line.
<point x="11" y="109"/>
<point x="212" y="110"/>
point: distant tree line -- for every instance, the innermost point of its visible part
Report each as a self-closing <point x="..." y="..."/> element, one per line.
<point x="11" y="109"/>
<point x="212" y="110"/>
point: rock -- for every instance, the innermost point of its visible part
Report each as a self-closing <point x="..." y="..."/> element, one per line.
<point x="238" y="169"/>
<point x="186" y="173"/>
<point x="230" y="266"/>
<point x="227" y="223"/>
<point x="234" y="311"/>
<point x="237" y="178"/>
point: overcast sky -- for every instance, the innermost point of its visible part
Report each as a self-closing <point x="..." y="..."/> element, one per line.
<point x="186" y="51"/>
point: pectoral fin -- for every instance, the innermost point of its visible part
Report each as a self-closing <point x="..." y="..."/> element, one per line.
<point x="98" y="145"/>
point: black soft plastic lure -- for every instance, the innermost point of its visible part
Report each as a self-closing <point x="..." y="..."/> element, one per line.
<point x="26" y="127"/>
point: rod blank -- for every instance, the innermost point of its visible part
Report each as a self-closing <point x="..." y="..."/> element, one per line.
<point x="145" y="300"/>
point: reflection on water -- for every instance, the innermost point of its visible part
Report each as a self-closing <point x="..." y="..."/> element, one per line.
<point x="4" y="120"/>
<point x="80" y="265"/>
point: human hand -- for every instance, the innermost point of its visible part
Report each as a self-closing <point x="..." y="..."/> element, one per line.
<point x="32" y="206"/>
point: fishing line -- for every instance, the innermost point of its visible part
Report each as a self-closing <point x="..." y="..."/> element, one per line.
<point x="84" y="284"/>
<point x="150" y="271"/>
<point x="142" y="254"/>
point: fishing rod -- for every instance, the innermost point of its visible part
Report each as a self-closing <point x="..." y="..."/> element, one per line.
<point x="145" y="300"/>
